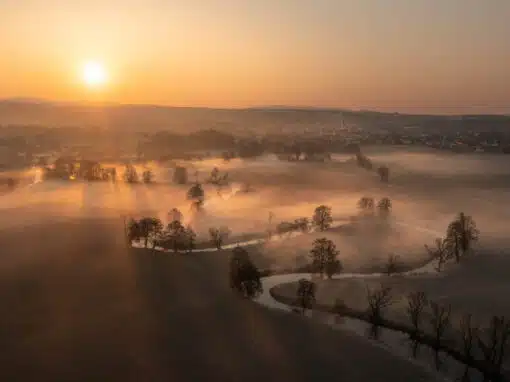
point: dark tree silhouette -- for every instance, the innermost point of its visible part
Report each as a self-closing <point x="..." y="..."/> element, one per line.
<point x="469" y="334"/>
<point x="324" y="257"/>
<point x="441" y="252"/>
<point x="493" y="342"/>
<point x="175" y="236"/>
<point x="461" y="234"/>
<point x="218" y="236"/>
<point x="322" y="218"/>
<point x="392" y="264"/>
<point x="302" y="224"/>
<point x="188" y="239"/>
<point x="416" y="304"/>
<point x="150" y="228"/>
<point x="244" y="275"/>
<point x="378" y="300"/>
<point x="384" y="207"/>
<point x="384" y="173"/>
<point x="366" y="204"/>
<point x="440" y="322"/>
<point x="130" y="174"/>
<point x="305" y="294"/>
<point x="134" y="232"/>
<point x="148" y="176"/>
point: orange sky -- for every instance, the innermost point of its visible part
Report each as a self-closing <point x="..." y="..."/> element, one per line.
<point x="417" y="56"/>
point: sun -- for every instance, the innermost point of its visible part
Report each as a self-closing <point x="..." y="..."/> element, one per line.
<point x="94" y="74"/>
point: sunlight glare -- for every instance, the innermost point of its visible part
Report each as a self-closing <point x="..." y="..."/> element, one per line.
<point x="94" y="74"/>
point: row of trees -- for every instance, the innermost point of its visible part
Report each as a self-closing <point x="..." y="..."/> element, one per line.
<point x="430" y="323"/>
<point x="364" y="162"/>
<point x="152" y="232"/>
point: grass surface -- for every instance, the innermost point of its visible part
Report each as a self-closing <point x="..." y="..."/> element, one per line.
<point x="77" y="305"/>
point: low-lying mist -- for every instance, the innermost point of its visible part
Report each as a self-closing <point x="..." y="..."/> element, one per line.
<point x="287" y="191"/>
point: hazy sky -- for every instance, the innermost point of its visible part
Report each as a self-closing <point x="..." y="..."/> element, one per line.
<point x="404" y="55"/>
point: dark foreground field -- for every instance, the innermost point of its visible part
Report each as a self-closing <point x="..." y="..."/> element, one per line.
<point x="77" y="305"/>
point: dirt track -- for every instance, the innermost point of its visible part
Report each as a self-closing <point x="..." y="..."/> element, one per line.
<point x="76" y="305"/>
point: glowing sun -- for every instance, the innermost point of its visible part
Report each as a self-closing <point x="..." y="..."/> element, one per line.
<point x="94" y="74"/>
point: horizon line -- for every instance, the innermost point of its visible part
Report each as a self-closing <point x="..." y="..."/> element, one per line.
<point x="394" y="110"/>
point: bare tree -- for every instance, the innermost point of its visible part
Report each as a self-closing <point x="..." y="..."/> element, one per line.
<point x="440" y="322"/>
<point x="493" y="342"/>
<point x="218" y="236"/>
<point x="305" y="294"/>
<point x="322" y="218"/>
<point x="416" y="304"/>
<point x="324" y="257"/>
<point x="469" y="334"/>
<point x="441" y="252"/>
<point x="392" y="264"/>
<point x="378" y="300"/>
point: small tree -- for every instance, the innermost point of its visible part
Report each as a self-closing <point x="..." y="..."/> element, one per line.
<point x="378" y="300"/>
<point x="366" y="204"/>
<point x="175" y="236"/>
<point x="440" y="252"/>
<point x="416" y="304"/>
<point x="150" y="228"/>
<point x="392" y="264"/>
<point x="218" y="236"/>
<point x="469" y="333"/>
<point x="461" y="234"/>
<point x="384" y="173"/>
<point x="324" y="257"/>
<point x="244" y="275"/>
<point x="189" y="238"/>
<point x="148" y="176"/>
<point x="440" y="322"/>
<point x="305" y="294"/>
<point x="322" y="218"/>
<point x="134" y="232"/>
<point x="130" y="174"/>
<point x="384" y="206"/>
<point x="214" y="178"/>
<point x="302" y="224"/>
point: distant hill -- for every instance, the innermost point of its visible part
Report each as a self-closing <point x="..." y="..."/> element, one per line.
<point x="23" y="111"/>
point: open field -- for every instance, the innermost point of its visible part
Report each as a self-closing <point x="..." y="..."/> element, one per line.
<point x="78" y="306"/>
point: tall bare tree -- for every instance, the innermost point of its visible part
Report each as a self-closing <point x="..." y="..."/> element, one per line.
<point x="416" y="304"/>
<point x="440" y="323"/>
<point x="441" y="251"/>
<point x="378" y="300"/>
